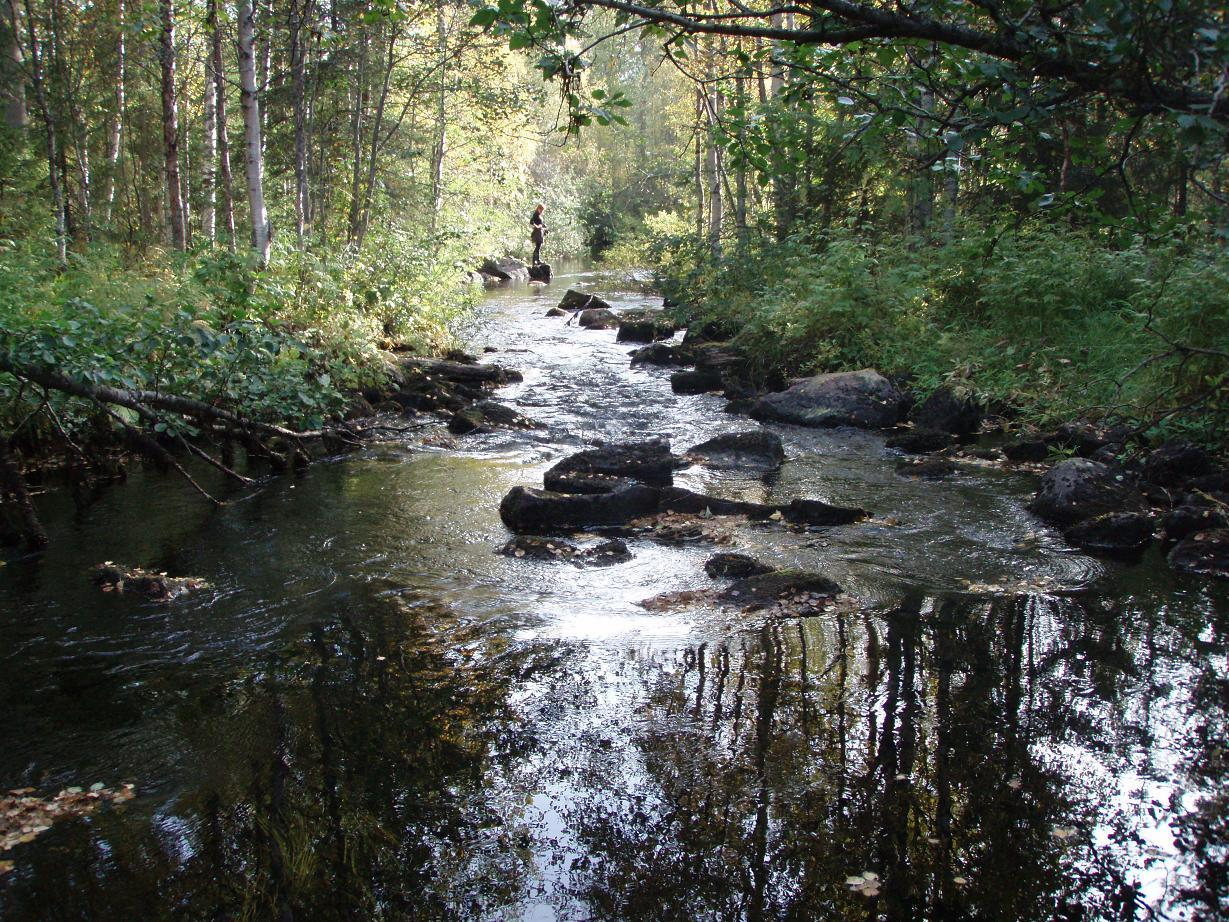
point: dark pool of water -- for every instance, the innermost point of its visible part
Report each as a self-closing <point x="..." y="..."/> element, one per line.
<point x="370" y="714"/>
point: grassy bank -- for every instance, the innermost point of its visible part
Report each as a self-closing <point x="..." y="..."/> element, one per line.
<point x="286" y="345"/>
<point x="1052" y="323"/>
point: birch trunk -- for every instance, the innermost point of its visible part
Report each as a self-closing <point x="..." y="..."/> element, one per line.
<point x="441" y="136"/>
<point x="170" y="127"/>
<point x="300" y="10"/>
<point x="219" y="98"/>
<point x="209" y="154"/>
<point x="15" y="113"/>
<point x="254" y="166"/>
<point x="116" y="135"/>
<point x="356" y="143"/>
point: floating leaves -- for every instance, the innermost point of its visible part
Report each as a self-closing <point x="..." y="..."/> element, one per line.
<point x="111" y="577"/>
<point x="24" y="817"/>
<point x="678" y="527"/>
<point x="867" y="883"/>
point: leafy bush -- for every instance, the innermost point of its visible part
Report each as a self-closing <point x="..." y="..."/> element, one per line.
<point x="1055" y="322"/>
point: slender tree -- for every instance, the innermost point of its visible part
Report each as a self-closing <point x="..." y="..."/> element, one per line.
<point x="170" y="127"/>
<point x="254" y="164"/>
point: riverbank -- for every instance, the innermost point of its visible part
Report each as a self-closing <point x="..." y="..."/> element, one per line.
<point x="1043" y="326"/>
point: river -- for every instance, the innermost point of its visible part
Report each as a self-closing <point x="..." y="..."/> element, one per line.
<point x="371" y="714"/>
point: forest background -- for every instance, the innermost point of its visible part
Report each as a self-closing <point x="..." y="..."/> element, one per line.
<point x="239" y="208"/>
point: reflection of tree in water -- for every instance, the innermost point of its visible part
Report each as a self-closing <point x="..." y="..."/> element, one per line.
<point x="343" y="780"/>
<point x="931" y="745"/>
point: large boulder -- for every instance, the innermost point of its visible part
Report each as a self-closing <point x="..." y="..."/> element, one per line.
<point x="1205" y="553"/>
<point x="575" y="300"/>
<point x="527" y="510"/>
<point x="1078" y="489"/>
<point x="644" y="327"/>
<point x="1026" y="450"/>
<point x="598" y="318"/>
<point x="505" y="268"/>
<point x="864" y="399"/>
<point x="539" y="273"/>
<point x="1113" y="532"/>
<point x="601" y="469"/>
<point x="758" y="448"/>
<point x="945" y="410"/>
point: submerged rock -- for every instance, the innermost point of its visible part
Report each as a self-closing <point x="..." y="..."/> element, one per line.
<point x="778" y="586"/>
<point x="735" y="566"/>
<point x="575" y="300"/>
<point x="556" y="312"/>
<point x="644" y="327"/>
<point x="112" y="577"/>
<point x="920" y="441"/>
<point x="758" y="448"/>
<point x="600" y="469"/>
<point x="1205" y="553"/>
<point x="532" y="547"/>
<point x="796" y="512"/>
<point x="1078" y="489"/>
<point x="927" y="468"/>
<point x="1113" y="532"/>
<point x="946" y="410"/>
<point x="598" y="318"/>
<point x="864" y="399"/>
<point x="527" y="510"/>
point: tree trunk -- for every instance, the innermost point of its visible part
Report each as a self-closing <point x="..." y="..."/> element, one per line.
<point x="373" y="151"/>
<point x="209" y="153"/>
<point x="300" y="12"/>
<point x="441" y="133"/>
<point x="170" y="127"/>
<point x="219" y="98"/>
<point x="115" y="136"/>
<point x="698" y="167"/>
<point x="15" y="113"/>
<point x="54" y="176"/>
<point x="356" y="143"/>
<point x="254" y="166"/>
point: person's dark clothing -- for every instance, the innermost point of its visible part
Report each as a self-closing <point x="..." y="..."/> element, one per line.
<point x="537" y="233"/>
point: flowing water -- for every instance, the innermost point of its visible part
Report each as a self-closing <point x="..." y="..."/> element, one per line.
<point x="371" y="714"/>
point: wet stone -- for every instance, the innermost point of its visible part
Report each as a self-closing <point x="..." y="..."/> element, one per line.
<point x="575" y="300"/>
<point x="920" y="441"/>
<point x="656" y="354"/>
<point x="1205" y="553"/>
<point x="1200" y="512"/>
<point x="927" y="469"/>
<point x="1113" y="532"/>
<point x="112" y="577"/>
<point x="1078" y="489"/>
<point x="947" y="410"/>
<point x="1026" y="450"/>
<point x="770" y="588"/>
<point x="530" y="511"/>
<point x="863" y="399"/>
<point x="596" y="470"/>
<point x="696" y="382"/>
<point x="598" y="318"/>
<point x="644" y="327"/>
<point x="758" y="448"/>
<point x="732" y="565"/>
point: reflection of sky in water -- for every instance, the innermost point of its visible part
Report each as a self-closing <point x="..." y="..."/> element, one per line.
<point x="601" y="760"/>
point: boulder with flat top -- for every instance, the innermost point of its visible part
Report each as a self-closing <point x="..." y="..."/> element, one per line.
<point x="531" y="511"/>
<point x="863" y="399"/>
<point x="601" y="469"/>
<point x="575" y="300"/>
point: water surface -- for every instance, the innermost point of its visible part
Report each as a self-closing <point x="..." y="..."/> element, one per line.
<point x="370" y="714"/>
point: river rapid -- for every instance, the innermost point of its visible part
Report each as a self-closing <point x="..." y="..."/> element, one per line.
<point x="369" y="713"/>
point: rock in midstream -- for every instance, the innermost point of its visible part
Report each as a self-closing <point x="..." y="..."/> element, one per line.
<point x="1112" y="532"/>
<point x="770" y="588"/>
<point x="544" y="512"/>
<point x="757" y="448"/>
<point x="575" y="300"/>
<point x="1078" y="489"/>
<point x="644" y="327"/>
<point x="731" y="565"/>
<point x="600" y="469"/>
<point x="863" y="399"/>
<point x="531" y="547"/>
<point x="597" y="318"/>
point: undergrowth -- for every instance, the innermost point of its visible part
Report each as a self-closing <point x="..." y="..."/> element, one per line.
<point x="1053" y="323"/>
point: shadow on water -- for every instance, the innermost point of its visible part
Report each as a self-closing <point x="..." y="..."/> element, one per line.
<point x="372" y="715"/>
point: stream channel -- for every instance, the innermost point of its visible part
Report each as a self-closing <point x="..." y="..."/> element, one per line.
<point x="369" y="713"/>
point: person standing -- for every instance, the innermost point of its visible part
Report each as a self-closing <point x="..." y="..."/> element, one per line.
<point x="537" y="233"/>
